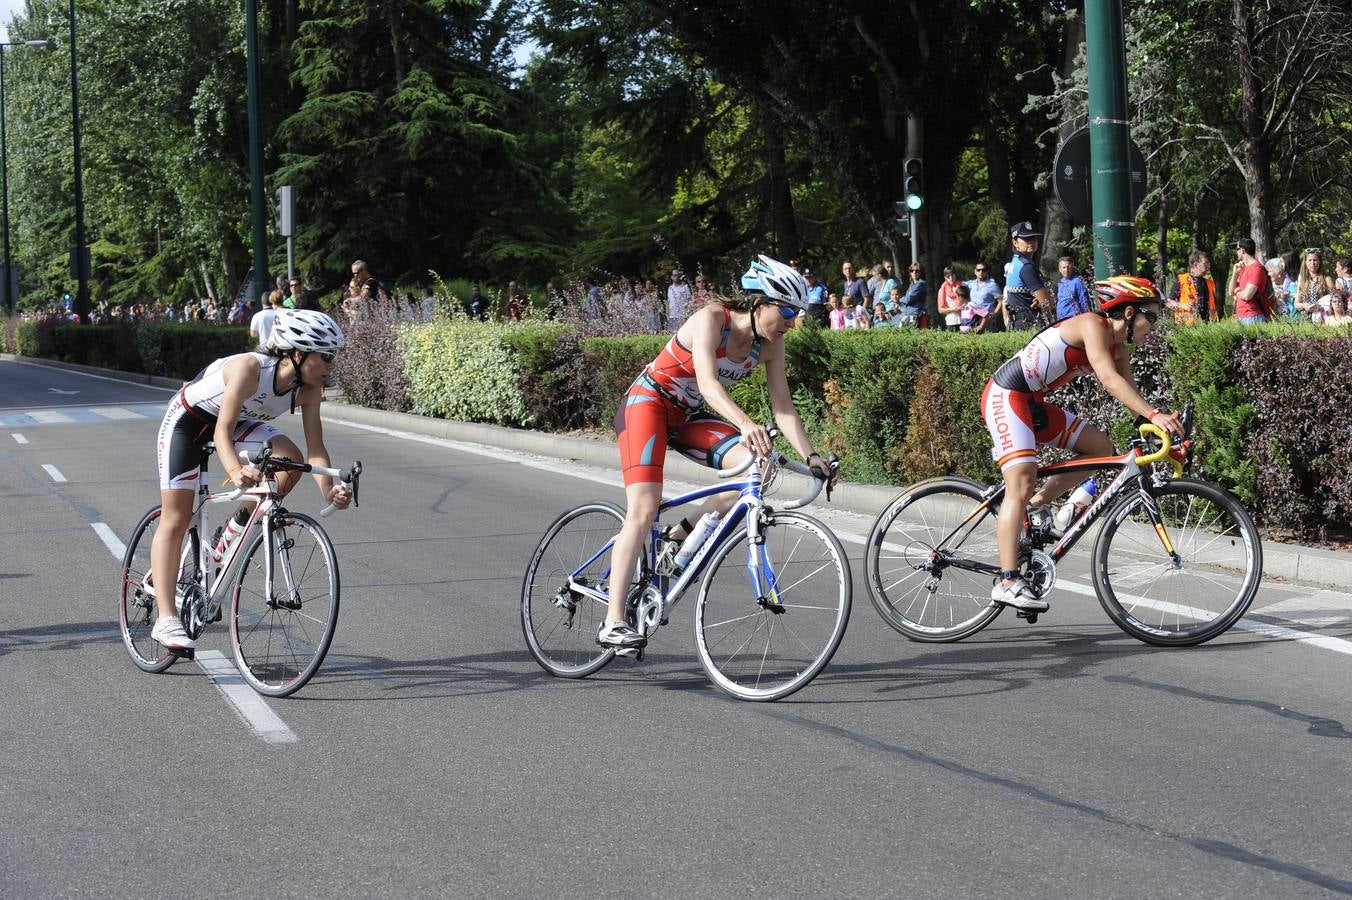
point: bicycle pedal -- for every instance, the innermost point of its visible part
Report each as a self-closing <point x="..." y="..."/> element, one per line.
<point x="634" y="653"/>
<point x="1025" y="614"/>
<point x="189" y="654"/>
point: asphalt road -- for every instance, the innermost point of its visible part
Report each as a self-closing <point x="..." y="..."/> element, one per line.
<point x="430" y="756"/>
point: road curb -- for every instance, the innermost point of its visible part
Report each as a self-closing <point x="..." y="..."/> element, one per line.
<point x="1288" y="562"/>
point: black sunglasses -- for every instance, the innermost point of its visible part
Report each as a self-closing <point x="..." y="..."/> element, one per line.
<point x="1151" y="315"/>
<point x="327" y="357"/>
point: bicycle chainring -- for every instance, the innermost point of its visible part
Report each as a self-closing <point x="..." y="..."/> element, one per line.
<point x="193" y="611"/>
<point x="649" y="613"/>
<point x="1040" y="573"/>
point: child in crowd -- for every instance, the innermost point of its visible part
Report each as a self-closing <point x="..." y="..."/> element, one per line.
<point x="837" y="314"/>
<point x="880" y="317"/>
<point x="964" y="299"/>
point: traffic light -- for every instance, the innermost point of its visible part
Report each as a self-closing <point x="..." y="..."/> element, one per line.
<point x="913" y="182"/>
<point x="902" y="224"/>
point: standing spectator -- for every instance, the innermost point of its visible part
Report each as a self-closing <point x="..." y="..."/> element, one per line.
<point x="852" y="288"/>
<point x="965" y="307"/>
<point x="1253" y="291"/>
<point x="950" y="306"/>
<point x="594" y="308"/>
<point x="260" y="326"/>
<point x="516" y="300"/>
<point x="1338" y="316"/>
<point x="882" y="283"/>
<point x="1312" y="286"/>
<point x="986" y="305"/>
<point x="678" y="298"/>
<point x="1194" y="295"/>
<point x="1027" y="299"/>
<point x="363" y="289"/>
<point x="817" y="309"/>
<point x="913" y="301"/>
<point x="1071" y="296"/>
<point x="478" y="304"/>
<point x="837" y="312"/>
<point x="1343" y="268"/>
<point x="429" y="303"/>
<point x="701" y="295"/>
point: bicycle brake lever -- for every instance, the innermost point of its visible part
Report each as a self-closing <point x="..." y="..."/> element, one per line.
<point x="355" y="472"/>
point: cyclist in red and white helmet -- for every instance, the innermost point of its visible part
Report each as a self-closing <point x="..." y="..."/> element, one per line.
<point x="231" y="403"/>
<point x="681" y="399"/>
<point x="1094" y="343"/>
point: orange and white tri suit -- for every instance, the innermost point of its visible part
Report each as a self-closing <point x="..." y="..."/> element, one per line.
<point x="1012" y="405"/>
<point x="664" y="406"/>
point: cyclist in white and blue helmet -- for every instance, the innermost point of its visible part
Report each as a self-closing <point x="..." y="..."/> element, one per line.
<point x="681" y="400"/>
<point x="232" y="403"/>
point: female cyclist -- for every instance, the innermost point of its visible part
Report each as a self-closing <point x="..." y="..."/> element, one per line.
<point x="230" y="402"/>
<point x="717" y="346"/>
<point x="1091" y="343"/>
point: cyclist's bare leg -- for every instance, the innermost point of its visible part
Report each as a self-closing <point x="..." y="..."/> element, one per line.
<point x="642" y="501"/>
<point x="167" y="545"/>
<point x="1020" y="480"/>
<point x="720" y="502"/>
<point x="1092" y="442"/>
<point x="284" y="446"/>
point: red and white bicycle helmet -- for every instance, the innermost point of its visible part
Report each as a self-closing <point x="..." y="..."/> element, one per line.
<point x="1125" y="290"/>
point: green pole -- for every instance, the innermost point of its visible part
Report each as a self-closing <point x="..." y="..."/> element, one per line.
<point x="1114" y="220"/>
<point x="260" y="245"/>
<point x="82" y="271"/>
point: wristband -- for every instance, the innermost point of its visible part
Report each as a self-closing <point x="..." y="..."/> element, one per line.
<point x="231" y="470"/>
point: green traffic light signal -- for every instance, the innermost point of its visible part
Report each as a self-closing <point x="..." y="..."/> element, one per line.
<point x="914" y="201"/>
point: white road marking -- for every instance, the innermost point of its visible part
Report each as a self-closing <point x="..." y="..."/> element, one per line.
<point x="110" y="540"/>
<point x="251" y="708"/>
<point x="54" y="472"/>
<point x="18" y="438"/>
<point x="114" y="412"/>
<point x="59" y="391"/>
<point x="49" y="417"/>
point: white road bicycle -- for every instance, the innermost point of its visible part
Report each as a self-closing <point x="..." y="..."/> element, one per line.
<point x="284" y="602"/>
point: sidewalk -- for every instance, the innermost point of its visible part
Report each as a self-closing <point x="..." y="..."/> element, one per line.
<point x="1285" y="562"/>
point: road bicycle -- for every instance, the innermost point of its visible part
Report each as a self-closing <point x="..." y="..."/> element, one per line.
<point x="763" y="629"/>
<point x="284" y="603"/>
<point x="1176" y="562"/>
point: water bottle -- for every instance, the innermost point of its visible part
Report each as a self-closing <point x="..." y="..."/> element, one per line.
<point x="1082" y="497"/>
<point x="703" y="528"/>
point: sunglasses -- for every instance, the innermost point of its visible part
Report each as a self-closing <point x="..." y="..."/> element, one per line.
<point x="1150" y="315"/>
<point x="789" y="313"/>
<point x="327" y="357"/>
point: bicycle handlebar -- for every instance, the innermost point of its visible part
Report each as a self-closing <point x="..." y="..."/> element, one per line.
<point x="778" y="458"/>
<point x="269" y="463"/>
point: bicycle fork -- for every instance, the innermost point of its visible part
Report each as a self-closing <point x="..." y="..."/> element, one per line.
<point x="278" y="552"/>
<point x="761" y="570"/>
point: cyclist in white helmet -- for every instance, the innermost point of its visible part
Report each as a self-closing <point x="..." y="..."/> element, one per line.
<point x="681" y="398"/>
<point x="230" y="402"/>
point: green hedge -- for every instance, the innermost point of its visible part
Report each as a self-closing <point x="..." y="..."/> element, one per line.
<point x="153" y="348"/>
<point x="899" y="406"/>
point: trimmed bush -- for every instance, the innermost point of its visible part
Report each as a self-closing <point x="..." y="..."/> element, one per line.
<point x="181" y="351"/>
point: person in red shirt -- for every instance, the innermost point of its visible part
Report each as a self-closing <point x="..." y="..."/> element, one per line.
<point x="1253" y="293"/>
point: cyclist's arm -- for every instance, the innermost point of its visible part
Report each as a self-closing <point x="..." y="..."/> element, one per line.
<point x="316" y="454"/>
<point x="785" y="413"/>
<point x="241" y="380"/>
<point x="1112" y="365"/>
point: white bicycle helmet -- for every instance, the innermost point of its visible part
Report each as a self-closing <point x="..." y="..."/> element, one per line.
<point x="307" y="330"/>
<point x="776" y="281"/>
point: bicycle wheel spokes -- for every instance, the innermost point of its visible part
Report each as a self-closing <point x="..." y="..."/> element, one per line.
<point x="765" y="648"/>
<point x="282" y="635"/>
<point x="920" y="561"/>
<point x="1197" y="591"/>
<point x="560" y="622"/>
<point x="136" y="608"/>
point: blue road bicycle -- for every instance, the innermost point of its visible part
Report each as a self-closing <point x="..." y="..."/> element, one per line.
<point x="774" y="588"/>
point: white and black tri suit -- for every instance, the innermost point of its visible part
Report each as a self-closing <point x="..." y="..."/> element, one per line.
<point x="190" y="421"/>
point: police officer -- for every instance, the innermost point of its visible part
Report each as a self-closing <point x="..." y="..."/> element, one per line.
<point x="1026" y="294"/>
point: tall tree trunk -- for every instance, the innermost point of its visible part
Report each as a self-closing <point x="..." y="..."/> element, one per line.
<point x="396" y="51"/>
<point x="1162" y="233"/>
<point x="1256" y="149"/>
<point x="1058" y="226"/>
<point x="787" y="241"/>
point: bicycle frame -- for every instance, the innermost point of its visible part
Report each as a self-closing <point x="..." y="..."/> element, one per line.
<point x="211" y="585"/>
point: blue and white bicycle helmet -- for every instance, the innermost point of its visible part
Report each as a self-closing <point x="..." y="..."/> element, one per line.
<point x="777" y="281"/>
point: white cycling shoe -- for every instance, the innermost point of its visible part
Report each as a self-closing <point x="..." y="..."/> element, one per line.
<point x="620" y="636"/>
<point x="168" y="631"/>
<point x="1018" y="594"/>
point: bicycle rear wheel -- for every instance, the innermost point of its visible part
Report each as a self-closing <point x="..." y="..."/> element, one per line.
<point x="1191" y="596"/>
<point x="136" y="608"/>
<point x="282" y="635"/>
<point x="918" y="556"/>
<point x="767" y="647"/>
<point x="559" y="622"/>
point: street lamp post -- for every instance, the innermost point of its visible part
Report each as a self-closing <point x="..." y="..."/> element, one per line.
<point x="81" y="269"/>
<point x="4" y="166"/>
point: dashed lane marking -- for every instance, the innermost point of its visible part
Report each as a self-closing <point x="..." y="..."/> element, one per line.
<point x="18" y="438"/>
<point x="110" y="540"/>
<point x="54" y="472"/>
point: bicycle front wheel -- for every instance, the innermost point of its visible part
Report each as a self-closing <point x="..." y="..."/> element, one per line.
<point x="282" y="630"/>
<point x="1192" y="594"/>
<point x="768" y="620"/>
<point x="560" y="622"/>
<point x="136" y="608"/>
<point x="929" y="560"/>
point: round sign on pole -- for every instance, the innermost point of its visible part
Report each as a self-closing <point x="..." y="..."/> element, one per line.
<point x="1070" y="175"/>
